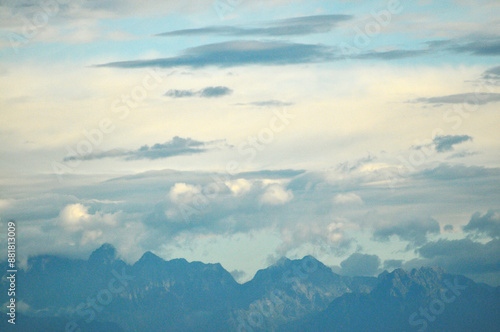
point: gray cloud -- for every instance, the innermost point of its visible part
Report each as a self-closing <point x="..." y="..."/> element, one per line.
<point x="414" y="231"/>
<point x="446" y="172"/>
<point x="446" y="143"/>
<point x="485" y="47"/>
<point x="176" y="147"/>
<point x="491" y="76"/>
<point x="461" y="256"/>
<point x="237" y="53"/>
<point x="208" y="92"/>
<point x="391" y="264"/>
<point x="215" y="91"/>
<point x="462" y="98"/>
<point x="462" y="154"/>
<point x="238" y="274"/>
<point x="360" y="265"/>
<point x="288" y="27"/>
<point x="391" y="55"/>
<point x="492" y="73"/>
<point x="480" y="45"/>
<point x="484" y="225"/>
<point x="181" y="93"/>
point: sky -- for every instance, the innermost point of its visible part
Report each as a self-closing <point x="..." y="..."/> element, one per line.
<point x="364" y="133"/>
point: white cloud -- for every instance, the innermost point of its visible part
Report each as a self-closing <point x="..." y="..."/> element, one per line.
<point x="86" y="227"/>
<point x="239" y="187"/>
<point x="182" y="193"/>
<point x="349" y="198"/>
<point x="276" y="195"/>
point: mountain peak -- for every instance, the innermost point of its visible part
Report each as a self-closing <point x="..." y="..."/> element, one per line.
<point x="105" y="254"/>
<point x="148" y="256"/>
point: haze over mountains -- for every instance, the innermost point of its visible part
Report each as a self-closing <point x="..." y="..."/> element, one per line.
<point x="104" y="293"/>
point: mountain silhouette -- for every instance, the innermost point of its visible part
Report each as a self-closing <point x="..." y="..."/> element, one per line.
<point x="104" y="293"/>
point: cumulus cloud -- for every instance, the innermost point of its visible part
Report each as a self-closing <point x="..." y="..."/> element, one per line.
<point x="360" y="265"/>
<point x="208" y="92"/>
<point x="182" y="193"/>
<point x="349" y="198"/>
<point x="275" y="194"/>
<point x="414" y="231"/>
<point x="239" y="186"/>
<point x="484" y="225"/>
<point x="287" y="27"/>
<point x="84" y="226"/>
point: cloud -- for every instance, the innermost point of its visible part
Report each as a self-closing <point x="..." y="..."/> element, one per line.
<point x="414" y="231"/>
<point x="447" y="172"/>
<point x="237" y="53"/>
<point x="238" y="274"/>
<point x="360" y="265"/>
<point x="182" y="193"/>
<point x="239" y="186"/>
<point x="479" y="45"/>
<point x="482" y="47"/>
<point x="86" y="227"/>
<point x="181" y="93"/>
<point x="176" y="147"/>
<point x="392" y="264"/>
<point x="492" y="73"/>
<point x="484" y="225"/>
<point x="288" y="27"/>
<point x="208" y="92"/>
<point x="448" y="228"/>
<point x="461" y="256"/>
<point x="446" y="143"/>
<point x="266" y="103"/>
<point x="216" y="91"/>
<point x="349" y="198"/>
<point x="462" y="98"/>
<point x="491" y="76"/>
<point x="275" y="194"/>
<point x="389" y="55"/>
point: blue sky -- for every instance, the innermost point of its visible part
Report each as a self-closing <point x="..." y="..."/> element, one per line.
<point x="277" y="128"/>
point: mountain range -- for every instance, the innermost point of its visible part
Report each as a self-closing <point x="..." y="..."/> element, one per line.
<point x="103" y="293"/>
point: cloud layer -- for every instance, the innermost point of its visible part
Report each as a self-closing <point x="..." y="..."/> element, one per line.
<point x="176" y="147"/>
<point x="288" y="27"/>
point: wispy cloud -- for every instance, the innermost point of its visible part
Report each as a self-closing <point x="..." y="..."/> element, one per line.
<point x="461" y="98"/>
<point x="209" y="92"/>
<point x="266" y="103"/>
<point x="237" y="53"/>
<point x="484" y="47"/>
<point x="288" y="27"/>
<point x="446" y="143"/>
<point x="175" y="147"/>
